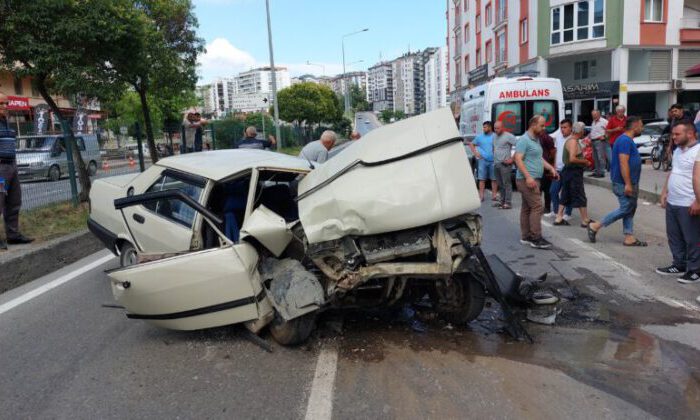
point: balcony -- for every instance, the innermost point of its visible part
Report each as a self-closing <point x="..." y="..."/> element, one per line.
<point x="690" y="31"/>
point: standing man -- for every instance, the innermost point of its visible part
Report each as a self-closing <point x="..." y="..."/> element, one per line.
<point x="482" y="148"/>
<point x="614" y="129"/>
<point x="559" y="141"/>
<point x="600" y="147"/>
<point x="199" y="123"/>
<point x="251" y="141"/>
<point x="573" y="194"/>
<point x="625" y="171"/>
<point x="677" y="197"/>
<point x="354" y="136"/>
<point x="695" y="207"/>
<point x="10" y="189"/>
<point x="317" y="151"/>
<point x="549" y="153"/>
<point x="503" y="143"/>
<point x="531" y="165"/>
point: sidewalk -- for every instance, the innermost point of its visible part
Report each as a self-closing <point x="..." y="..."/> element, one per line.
<point x="650" y="184"/>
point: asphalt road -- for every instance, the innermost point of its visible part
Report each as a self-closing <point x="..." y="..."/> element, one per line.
<point x="627" y="347"/>
<point x="366" y="122"/>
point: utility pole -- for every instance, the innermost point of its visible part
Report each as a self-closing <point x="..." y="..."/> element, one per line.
<point x="274" y="78"/>
<point x="344" y="79"/>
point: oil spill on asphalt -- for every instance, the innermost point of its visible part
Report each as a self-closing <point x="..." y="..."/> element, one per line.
<point x="591" y="342"/>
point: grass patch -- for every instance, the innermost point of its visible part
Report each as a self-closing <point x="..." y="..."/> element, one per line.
<point x="53" y="221"/>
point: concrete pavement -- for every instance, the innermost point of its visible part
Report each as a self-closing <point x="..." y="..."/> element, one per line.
<point x="651" y="182"/>
<point x="625" y="348"/>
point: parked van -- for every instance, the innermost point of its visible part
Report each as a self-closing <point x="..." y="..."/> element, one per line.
<point x="513" y="101"/>
<point x="44" y="157"/>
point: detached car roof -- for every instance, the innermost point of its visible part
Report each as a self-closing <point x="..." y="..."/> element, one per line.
<point x="219" y="164"/>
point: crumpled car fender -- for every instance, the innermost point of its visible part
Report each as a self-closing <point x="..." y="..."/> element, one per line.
<point x="293" y="290"/>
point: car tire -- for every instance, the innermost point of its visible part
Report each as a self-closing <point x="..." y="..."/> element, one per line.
<point x="292" y="332"/>
<point x="656" y="158"/>
<point x="54" y="173"/>
<point x="127" y="255"/>
<point x="92" y="168"/>
<point x="469" y="297"/>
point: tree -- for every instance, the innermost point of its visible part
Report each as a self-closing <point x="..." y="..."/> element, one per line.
<point x="386" y="116"/>
<point x="309" y="103"/>
<point x="256" y="119"/>
<point x="57" y="43"/>
<point x="161" y="61"/>
<point x="358" y="99"/>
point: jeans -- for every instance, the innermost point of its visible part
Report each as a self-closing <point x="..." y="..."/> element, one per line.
<point x="554" y="193"/>
<point x="10" y="199"/>
<point x="530" y="211"/>
<point x="608" y="154"/>
<point x="503" y="177"/>
<point x="628" y="207"/>
<point x="683" y="232"/>
<point x="484" y="170"/>
<point x="600" y="155"/>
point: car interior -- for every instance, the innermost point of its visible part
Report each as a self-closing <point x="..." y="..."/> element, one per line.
<point x="275" y="190"/>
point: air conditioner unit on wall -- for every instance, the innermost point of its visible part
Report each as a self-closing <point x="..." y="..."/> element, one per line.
<point x="677" y="84"/>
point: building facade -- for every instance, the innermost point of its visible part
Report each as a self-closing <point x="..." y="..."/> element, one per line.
<point x="407" y="73"/>
<point x="435" y="70"/>
<point x="355" y="78"/>
<point x="380" y="89"/>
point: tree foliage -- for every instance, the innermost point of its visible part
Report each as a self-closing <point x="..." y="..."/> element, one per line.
<point x="309" y="103"/>
<point x="389" y="115"/>
<point x="358" y="99"/>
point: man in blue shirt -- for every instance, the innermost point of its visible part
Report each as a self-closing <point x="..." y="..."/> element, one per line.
<point x="482" y="148"/>
<point x="10" y="192"/>
<point x="625" y="171"/>
<point x="250" y="141"/>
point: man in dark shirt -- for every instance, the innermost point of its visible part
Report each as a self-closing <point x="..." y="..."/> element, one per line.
<point x="10" y="191"/>
<point x="250" y="141"/>
<point x="549" y="154"/>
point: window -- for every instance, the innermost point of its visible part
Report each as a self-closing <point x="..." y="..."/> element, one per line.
<point x="585" y="70"/>
<point x="578" y="21"/>
<point x="478" y="57"/>
<point x="653" y="10"/>
<point x="478" y="23"/>
<point x="488" y="15"/>
<point x="466" y="64"/>
<point x="502" y="43"/>
<point x="466" y="33"/>
<point x="523" y="31"/>
<point x="501" y="11"/>
<point x="466" y="5"/>
<point x="488" y="51"/>
<point x="18" y="86"/>
<point x="175" y="210"/>
<point x="81" y="143"/>
<point x="514" y="115"/>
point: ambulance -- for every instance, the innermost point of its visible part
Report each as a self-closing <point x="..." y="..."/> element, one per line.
<point x="512" y="100"/>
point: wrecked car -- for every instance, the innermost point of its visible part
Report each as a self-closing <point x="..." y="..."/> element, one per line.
<point x="269" y="240"/>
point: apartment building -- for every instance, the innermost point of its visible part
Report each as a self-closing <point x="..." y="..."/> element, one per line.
<point x="380" y="89"/>
<point x="356" y="78"/>
<point x="407" y="83"/>
<point x="435" y="85"/>
<point x="606" y="52"/>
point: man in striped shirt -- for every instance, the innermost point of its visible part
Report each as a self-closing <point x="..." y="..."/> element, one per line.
<point x="10" y="191"/>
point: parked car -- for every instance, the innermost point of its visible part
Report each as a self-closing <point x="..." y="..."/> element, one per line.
<point x="343" y="233"/>
<point x="44" y="157"/>
<point x="646" y="141"/>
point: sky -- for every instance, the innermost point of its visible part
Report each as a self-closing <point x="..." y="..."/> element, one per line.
<point x="235" y="33"/>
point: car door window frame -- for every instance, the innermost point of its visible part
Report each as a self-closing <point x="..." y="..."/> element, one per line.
<point x="191" y="180"/>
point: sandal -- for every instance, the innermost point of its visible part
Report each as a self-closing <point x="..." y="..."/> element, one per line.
<point x="497" y="205"/>
<point x="585" y="224"/>
<point x="506" y="207"/>
<point x="591" y="234"/>
<point x="562" y="222"/>
<point x="636" y="243"/>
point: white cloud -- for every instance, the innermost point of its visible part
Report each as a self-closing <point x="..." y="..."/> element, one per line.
<point x="223" y="59"/>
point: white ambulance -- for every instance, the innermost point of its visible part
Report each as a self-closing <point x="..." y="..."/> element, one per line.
<point x="513" y="101"/>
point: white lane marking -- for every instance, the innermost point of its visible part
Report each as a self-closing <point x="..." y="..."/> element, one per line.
<point x="320" y="405"/>
<point x="52" y="284"/>
<point x="606" y="257"/>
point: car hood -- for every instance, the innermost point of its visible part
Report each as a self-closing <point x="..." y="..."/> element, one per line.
<point x="410" y="173"/>
<point x="120" y="180"/>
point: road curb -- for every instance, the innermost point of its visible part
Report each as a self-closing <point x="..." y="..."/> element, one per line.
<point x="16" y="270"/>
<point x="605" y="183"/>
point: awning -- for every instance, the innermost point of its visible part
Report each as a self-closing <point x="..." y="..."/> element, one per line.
<point x="17" y="103"/>
<point x="693" y="71"/>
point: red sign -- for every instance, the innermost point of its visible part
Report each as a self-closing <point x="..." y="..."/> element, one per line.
<point x="17" y="103"/>
<point x="523" y="94"/>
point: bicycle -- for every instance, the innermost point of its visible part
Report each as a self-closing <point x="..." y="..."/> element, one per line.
<point x="660" y="158"/>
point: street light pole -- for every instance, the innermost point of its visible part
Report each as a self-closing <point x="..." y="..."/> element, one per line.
<point x="347" y="93"/>
<point x="274" y="78"/>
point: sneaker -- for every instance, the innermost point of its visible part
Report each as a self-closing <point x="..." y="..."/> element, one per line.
<point x="550" y="214"/>
<point x="691" y="277"/>
<point x="568" y="217"/>
<point x="540" y="243"/>
<point x="3" y="244"/>
<point x="671" y="270"/>
<point x="526" y="241"/>
<point x="698" y="299"/>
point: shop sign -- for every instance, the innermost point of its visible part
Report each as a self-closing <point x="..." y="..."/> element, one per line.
<point x="479" y="74"/>
<point x="17" y="103"/>
<point x="591" y="90"/>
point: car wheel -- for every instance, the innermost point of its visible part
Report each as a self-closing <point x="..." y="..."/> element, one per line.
<point x="54" y="173"/>
<point x="92" y="168"/>
<point x="292" y="332"/>
<point x="461" y="300"/>
<point x="127" y="255"/>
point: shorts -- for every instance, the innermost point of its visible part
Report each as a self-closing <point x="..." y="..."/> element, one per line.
<point x="572" y="192"/>
<point x="484" y="170"/>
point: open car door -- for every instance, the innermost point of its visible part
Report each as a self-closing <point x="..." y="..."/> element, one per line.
<point x="195" y="290"/>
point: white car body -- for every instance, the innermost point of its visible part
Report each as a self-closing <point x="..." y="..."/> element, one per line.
<point x="646" y="141"/>
<point x="190" y="274"/>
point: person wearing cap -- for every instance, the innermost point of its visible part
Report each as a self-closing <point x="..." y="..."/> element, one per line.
<point x="10" y="189"/>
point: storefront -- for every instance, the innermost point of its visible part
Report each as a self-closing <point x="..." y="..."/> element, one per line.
<point x="581" y="99"/>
